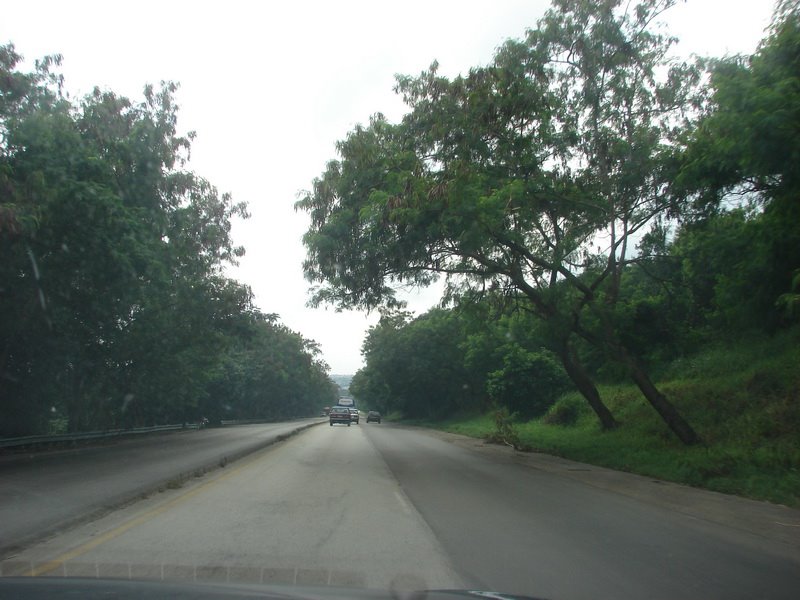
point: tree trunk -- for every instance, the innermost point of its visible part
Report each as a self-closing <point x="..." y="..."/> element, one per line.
<point x="611" y="345"/>
<point x="657" y="400"/>
<point x="573" y="367"/>
<point x="586" y="387"/>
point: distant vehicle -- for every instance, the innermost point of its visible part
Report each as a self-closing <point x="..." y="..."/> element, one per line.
<point x="354" y="416"/>
<point x="325" y="411"/>
<point x="373" y="415"/>
<point x="340" y="414"/>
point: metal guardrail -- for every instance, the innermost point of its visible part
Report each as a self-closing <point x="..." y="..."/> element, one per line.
<point x="243" y="422"/>
<point x="33" y="440"/>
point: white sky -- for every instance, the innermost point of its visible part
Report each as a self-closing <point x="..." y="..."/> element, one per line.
<point x="269" y="89"/>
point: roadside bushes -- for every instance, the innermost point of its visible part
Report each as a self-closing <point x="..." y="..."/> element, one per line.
<point x="566" y="411"/>
<point x="529" y="382"/>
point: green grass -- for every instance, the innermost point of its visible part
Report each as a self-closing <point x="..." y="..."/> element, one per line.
<point x="743" y="399"/>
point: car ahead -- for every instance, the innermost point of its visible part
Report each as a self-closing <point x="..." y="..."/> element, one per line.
<point x="340" y="414"/>
<point x="354" y="415"/>
<point x="373" y="415"/>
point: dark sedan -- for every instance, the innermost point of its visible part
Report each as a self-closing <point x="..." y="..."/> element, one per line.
<point x="340" y="414"/>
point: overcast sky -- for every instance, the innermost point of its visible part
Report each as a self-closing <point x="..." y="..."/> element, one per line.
<point x="270" y="88"/>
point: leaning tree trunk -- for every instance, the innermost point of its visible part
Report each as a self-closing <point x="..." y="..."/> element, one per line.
<point x="572" y="365"/>
<point x="586" y="386"/>
<point x="657" y="400"/>
<point x="612" y="346"/>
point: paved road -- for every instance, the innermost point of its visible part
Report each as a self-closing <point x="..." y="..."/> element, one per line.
<point x="398" y="508"/>
<point x="560" y="529"/>
<point x="43" y="492"/>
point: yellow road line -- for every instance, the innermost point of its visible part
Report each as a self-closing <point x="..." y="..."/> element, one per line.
<point x="52" y="565"/>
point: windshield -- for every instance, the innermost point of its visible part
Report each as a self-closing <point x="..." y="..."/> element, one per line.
<point x="402" y="297"/>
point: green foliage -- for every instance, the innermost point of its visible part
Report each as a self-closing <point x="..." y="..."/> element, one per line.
<point x="743" y="397"/>
<point x="565" y="411"/>
<point x="749" y="136"/>
<point x="529" y="180"/>
<point x="114" y="310"/>
<point x="727" y="266"/>
<point x="746" y="146"/>
<point x="529" y="382"/>
<point x="269" y="372"/>
<point x="503" y="179"/>
<point x="416" y="366"/>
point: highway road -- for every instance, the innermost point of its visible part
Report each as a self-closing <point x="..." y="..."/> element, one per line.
<point x="44" y="492"/>
<point x="397" y="508"/>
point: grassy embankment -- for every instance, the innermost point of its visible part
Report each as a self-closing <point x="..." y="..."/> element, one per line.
<point x="743" y="400"/>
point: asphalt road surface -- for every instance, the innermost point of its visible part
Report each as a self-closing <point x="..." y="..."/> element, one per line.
<point x="43" y="492"/>
<point x="399" y="508"/>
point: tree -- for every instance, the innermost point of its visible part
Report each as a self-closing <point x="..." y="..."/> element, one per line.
<point x="268" y="372"/>
<point x="745" y="151"/>
<point x="529" y="176"/>
<point x="114" y="310"/>
<point x="417" y="366"/>
<point x="529" y="382"/>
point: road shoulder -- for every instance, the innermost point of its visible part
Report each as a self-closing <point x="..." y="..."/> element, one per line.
<point x="772" y="522"/>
